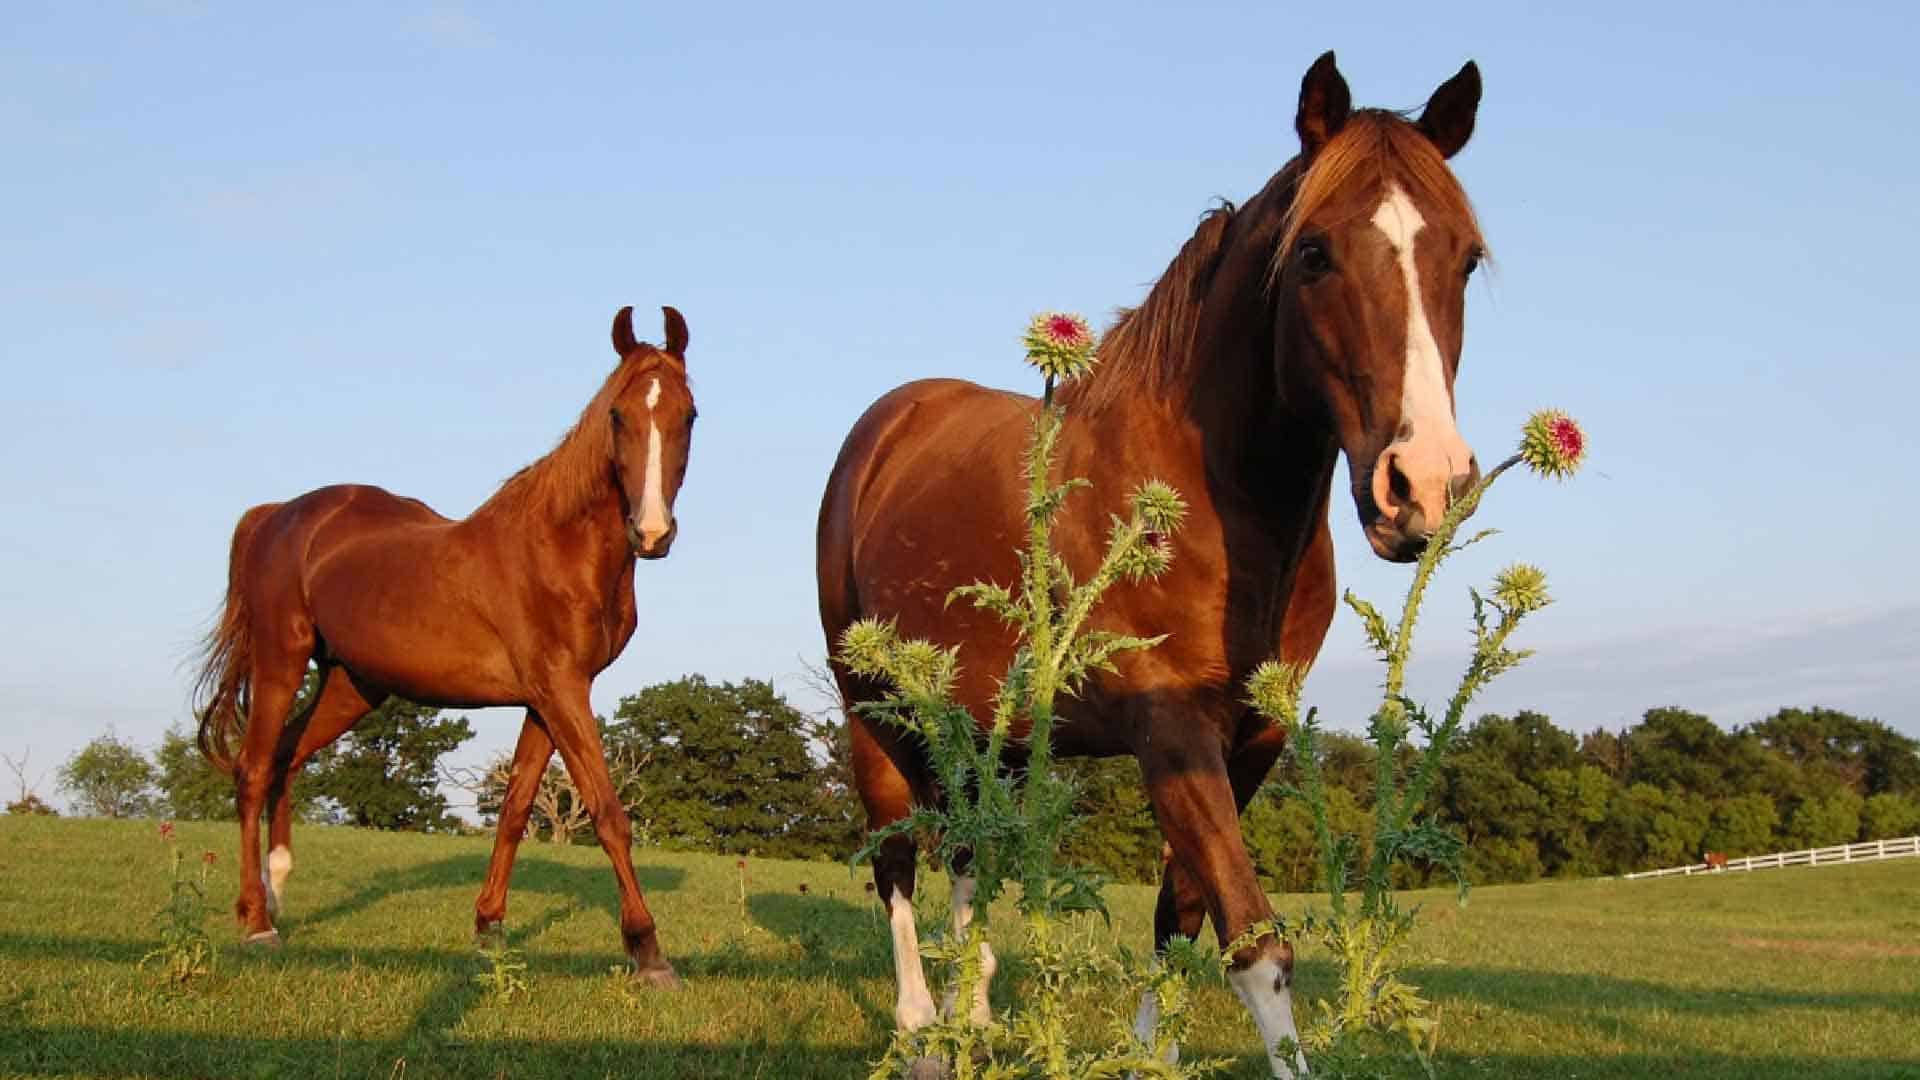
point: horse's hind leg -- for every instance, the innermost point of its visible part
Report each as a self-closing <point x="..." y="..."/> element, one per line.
<point x="278" y="668"/>
<point x="530" y="757"/>
<point x="881" y="765"/>
<point x="335" y="710"/>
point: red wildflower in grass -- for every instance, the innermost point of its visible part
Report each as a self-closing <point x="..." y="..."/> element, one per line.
<point x="803" y="888"/>
<point x="740" y="864"/>
<point x="166" y="830"/>
<point x="209" y="858"/>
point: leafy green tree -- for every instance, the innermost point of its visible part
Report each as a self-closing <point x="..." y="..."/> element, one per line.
<point x="731" y="768"/>
<point x="1116" y="831"/>
<point x="109" y="777"/>
<point x="384" y="773"/>
<point x="1681" y="751"/>
<point x="1574" y="801"/>
<point x="1744" y="825"/>
<point x="1647" y="827"/>
<point x="1826" y="820"/>
<point x="1834" y="748"/>
<point x="1886" y="816"/>
<point x="193" y="789"/>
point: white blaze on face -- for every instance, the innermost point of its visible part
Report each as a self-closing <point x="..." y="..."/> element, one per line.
<point x="1424" y="403"/>
<point x="1258" y="986"/>
<point x="1423" y="396"/>
<point x="913" y="1009"/>
<point x="654" y="519"/>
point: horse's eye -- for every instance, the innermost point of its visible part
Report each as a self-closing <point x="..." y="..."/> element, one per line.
<point x="1315" y="262"/>
<point x="1473" y="261"/>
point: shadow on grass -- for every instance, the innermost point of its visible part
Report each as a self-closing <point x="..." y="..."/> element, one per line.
<point x="587" y="887"/>
<point x="91" y="1052"/>
<point x="1541" y="992"/>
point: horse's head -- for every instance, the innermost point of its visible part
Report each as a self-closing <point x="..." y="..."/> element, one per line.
<point x="1370" y="281"/>
<point x="652" y="418"/>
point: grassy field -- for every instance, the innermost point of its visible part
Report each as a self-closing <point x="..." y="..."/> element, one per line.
<point x="1799" y="972"/>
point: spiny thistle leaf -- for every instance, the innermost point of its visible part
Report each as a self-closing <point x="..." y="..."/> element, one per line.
<point x="1372" y="622"/>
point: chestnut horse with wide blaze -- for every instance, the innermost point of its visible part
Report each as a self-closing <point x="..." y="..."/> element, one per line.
<point x="521" y="603"/>
<point x="1322" y="317"/>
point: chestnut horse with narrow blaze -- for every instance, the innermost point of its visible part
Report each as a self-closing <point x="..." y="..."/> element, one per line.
<point x="521" y="603"/>
<point x="1323" y="316"/>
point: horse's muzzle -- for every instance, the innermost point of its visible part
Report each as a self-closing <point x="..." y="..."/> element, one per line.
<point x="651" y="547"/>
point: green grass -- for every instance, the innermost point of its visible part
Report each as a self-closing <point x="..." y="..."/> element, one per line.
<point x="1799" y="972"/>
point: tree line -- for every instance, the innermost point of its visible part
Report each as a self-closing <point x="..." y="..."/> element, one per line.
<point x="735" y="768"/>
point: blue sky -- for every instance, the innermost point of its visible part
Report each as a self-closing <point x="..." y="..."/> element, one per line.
<point x="250" y="253"/>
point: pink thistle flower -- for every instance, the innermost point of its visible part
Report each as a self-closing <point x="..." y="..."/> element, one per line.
<point x="1068" y="330"/>
<point x="166" y="830"/>
<point x="1552" y="444"/>
<point x="1060" y="344"/>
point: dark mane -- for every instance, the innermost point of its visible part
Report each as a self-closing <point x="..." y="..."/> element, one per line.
<point x="574" y="471"/>
<point x="1147" y="346"/>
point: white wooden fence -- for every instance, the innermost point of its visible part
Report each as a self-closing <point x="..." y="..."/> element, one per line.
<point x="1871" y="851"/>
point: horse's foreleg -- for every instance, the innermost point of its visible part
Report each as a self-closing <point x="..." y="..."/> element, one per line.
<point x="331" y="713"/>
<point x="530" y="757"/>
<point x="1182" y="905"/>
<point x="570" y="723"/>
<point x="1193" y="799"/>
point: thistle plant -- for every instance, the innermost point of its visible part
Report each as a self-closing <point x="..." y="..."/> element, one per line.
<point x="1004" y="823"/>
<point x="185" y="951"/>
<point x="504" y="974"/>
<point x="1369" y="946"/>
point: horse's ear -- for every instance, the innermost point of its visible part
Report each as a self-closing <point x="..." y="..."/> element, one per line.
<point x="676" y="332"/>
<point x="623" y="339"/>
<point x="1448" y="118"/>
<point x="1325" y="103"/>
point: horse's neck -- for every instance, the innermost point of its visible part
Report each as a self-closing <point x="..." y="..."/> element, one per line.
<point x="542" y="519"/>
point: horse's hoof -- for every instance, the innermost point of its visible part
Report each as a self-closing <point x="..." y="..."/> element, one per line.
<point x="928" y="1068"/>
<point x="265" y="939"/>
<point x="658" y="978"/>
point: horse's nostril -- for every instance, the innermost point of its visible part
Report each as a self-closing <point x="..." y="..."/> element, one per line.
<point x="1398" y="486"/>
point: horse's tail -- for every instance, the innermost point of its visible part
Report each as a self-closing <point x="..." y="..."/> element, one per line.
<point x="221" y="691"/>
